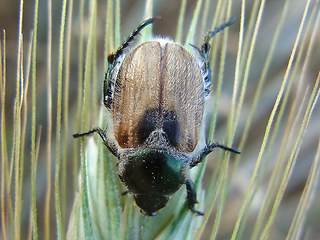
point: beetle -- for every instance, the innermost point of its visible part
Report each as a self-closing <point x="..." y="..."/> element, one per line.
<point x="155" y="93"/>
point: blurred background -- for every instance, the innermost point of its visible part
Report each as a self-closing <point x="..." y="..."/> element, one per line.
<point x="132" y="13"/>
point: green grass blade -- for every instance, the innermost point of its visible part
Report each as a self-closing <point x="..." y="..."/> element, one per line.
<point x="59" y="221"/>
<point x="49" y="123"/>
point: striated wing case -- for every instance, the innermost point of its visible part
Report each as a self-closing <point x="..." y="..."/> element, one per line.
<point x="156" y="90"/>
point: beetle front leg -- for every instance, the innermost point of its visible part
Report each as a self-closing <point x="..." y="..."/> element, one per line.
<point x="192" y="197"/>
<point x="208" y="149"/>
<point x="110" y="146"/>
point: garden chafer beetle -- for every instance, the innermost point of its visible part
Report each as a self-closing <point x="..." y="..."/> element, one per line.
<point x="155" y="93"/>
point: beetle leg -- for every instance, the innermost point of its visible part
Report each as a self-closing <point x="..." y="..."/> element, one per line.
<point x="112" y="57"/>
<point x="102" y="134"/>
<point x="192" y="196"/>
<point x="108" y="85"/>
<point x="204" y="51"/>
<point x="125" y="193"/>
<point x="208" y="149"/>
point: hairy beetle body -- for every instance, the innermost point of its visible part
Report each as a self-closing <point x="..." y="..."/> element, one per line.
<point x="155" y="96"/>
<point x="158" y="87"/>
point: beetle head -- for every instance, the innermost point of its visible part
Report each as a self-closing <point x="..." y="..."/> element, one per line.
<point x="150" y="203"/>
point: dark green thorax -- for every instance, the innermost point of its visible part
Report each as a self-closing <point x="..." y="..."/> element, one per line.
<point x="153" y="171"/>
